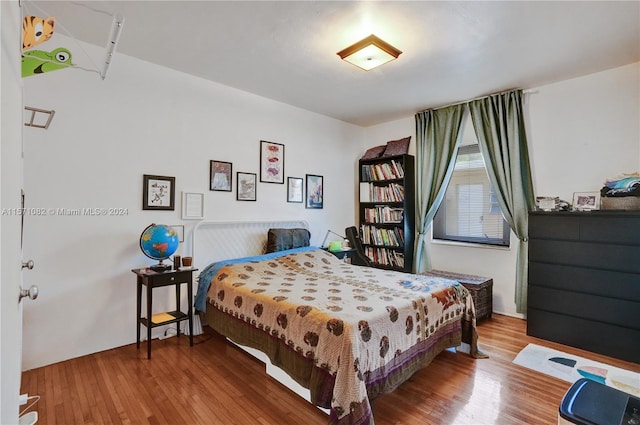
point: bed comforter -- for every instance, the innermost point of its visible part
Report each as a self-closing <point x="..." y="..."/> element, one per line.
<point x="367" y="330"/>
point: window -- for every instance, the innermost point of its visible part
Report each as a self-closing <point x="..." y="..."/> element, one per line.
<point x="470" y="211"/>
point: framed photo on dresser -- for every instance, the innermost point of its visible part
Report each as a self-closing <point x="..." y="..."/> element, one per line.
<point x="586" y="201"/>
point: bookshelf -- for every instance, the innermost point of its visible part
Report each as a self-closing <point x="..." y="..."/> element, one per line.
<point x="387" y="211"/>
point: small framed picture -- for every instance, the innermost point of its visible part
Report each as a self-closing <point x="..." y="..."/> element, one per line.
<point x="271" y="162"/>
<point x="220" y="176"/>
<point x="179" y="229"/>
<point x="246" y="190"/>
<point x="547" y="203"/>
<point x="158" y="192"/>
<point x="192" y="206"/>
<point x="586" y="201"/>
<point x="294" y="189"/>
<point x="315" y="193"/>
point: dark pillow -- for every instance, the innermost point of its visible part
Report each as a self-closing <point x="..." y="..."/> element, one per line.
<point x="282" y="239"/>
<point x="397" y="147"/>
<point x="374" y="152"/>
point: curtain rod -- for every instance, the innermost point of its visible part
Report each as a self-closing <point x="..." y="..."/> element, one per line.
<point x="527" y="91"/>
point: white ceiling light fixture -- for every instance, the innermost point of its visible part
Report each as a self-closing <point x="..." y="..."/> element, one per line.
<point x="369" y="53"/>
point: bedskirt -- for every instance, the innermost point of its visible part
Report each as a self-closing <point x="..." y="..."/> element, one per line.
<point x="318" y="381"/>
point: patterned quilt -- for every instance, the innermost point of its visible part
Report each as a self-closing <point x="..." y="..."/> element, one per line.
<point x="356" y="323"/>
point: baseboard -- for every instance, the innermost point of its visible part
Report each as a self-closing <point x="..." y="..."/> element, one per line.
<point x="515" y="315"/>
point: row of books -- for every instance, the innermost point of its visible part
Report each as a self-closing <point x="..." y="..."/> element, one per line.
<point x="382" y="171"/>
<point x="372" y="235"/>
<point x="386" y="257"/>
<point x="383" y="214"/>
<point x="370" y="192"/>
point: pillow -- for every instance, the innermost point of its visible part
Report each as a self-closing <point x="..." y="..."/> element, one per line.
<point x="283" y="239"/>
<point x="397" y="147"/>
<point x="374" y="152"/>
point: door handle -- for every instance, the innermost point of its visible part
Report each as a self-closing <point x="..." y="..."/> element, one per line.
<point x="32" y="293"/>
<point x="28" y="264"/>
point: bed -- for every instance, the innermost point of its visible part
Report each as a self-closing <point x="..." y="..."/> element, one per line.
<point x="346" y="333"/>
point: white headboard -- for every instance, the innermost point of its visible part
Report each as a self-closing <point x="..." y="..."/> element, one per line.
<point x="223" y="240"/>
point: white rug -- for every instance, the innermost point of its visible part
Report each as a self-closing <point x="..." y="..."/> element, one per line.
<point x="570" y="368"/>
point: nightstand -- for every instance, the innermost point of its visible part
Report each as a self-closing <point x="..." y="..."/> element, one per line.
<point x="151" y="280"/>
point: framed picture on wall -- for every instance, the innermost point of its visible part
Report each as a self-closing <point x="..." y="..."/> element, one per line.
<point x="220" y="176"/>
<point x="271" y="162"/>
<point x="294" y="189"/>
<point x="246" y="190"/>
<point x="179" y="229"/>
<point x="315" y="191"/>
<point x="158" y="192"/>
<point x="192" y="206"/>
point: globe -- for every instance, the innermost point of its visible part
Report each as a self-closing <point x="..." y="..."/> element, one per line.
<point x="159" y="242"/>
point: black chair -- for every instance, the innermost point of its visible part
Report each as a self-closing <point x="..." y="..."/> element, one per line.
<point x="360" y="258"/>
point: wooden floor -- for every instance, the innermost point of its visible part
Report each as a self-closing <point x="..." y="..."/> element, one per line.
<point x="215" y="383"/>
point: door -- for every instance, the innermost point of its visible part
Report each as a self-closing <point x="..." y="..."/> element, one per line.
<point x="10" y="202"/>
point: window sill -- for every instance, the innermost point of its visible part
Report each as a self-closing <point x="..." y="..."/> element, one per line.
<point x="469" y="245"/>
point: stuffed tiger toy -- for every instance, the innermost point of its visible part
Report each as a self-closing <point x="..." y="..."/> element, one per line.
<point x="36" y="30"/>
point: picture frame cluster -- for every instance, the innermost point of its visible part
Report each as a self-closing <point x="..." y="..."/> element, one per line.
<point x="159" y="191"/>
<point x="581" y="201"/>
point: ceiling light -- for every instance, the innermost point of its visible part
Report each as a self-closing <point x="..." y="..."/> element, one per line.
<point x="369" y="53"/>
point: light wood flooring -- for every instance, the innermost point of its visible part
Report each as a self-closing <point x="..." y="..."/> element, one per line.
<point x="214" y="383"/>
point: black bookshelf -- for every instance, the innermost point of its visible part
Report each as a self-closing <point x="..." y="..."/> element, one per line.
<point x="387" y="211"/>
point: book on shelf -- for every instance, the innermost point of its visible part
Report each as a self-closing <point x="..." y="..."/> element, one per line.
<point x="161" y="318"/>
<point x="365" y="192"/>
<point x="385" y="257"/>
<point x="372" y="235"/>
<point x="383" y="214"/>
<point x="382" y="171"/>
<point x="392" y="192"/>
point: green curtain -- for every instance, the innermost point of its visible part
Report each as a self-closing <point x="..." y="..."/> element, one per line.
<point x="499" y="125"/>
<point x="436" y="141"/>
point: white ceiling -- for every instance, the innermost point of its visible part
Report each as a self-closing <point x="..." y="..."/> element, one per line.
<point x="286" y="50"/>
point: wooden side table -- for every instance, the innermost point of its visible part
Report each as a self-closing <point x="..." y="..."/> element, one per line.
<point x="151" y="280"/>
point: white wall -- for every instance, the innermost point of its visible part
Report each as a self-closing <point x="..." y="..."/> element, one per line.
<point x="145" y="119"/>
<point x="585" y="130"/>
<point x="392" y="130"/>
<point x="580" y="132"/>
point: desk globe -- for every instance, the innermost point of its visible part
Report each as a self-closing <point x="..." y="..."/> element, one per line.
<point x="159" y="242"/>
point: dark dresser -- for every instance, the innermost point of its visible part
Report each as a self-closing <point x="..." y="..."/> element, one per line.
<point x="584" y="280"/>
